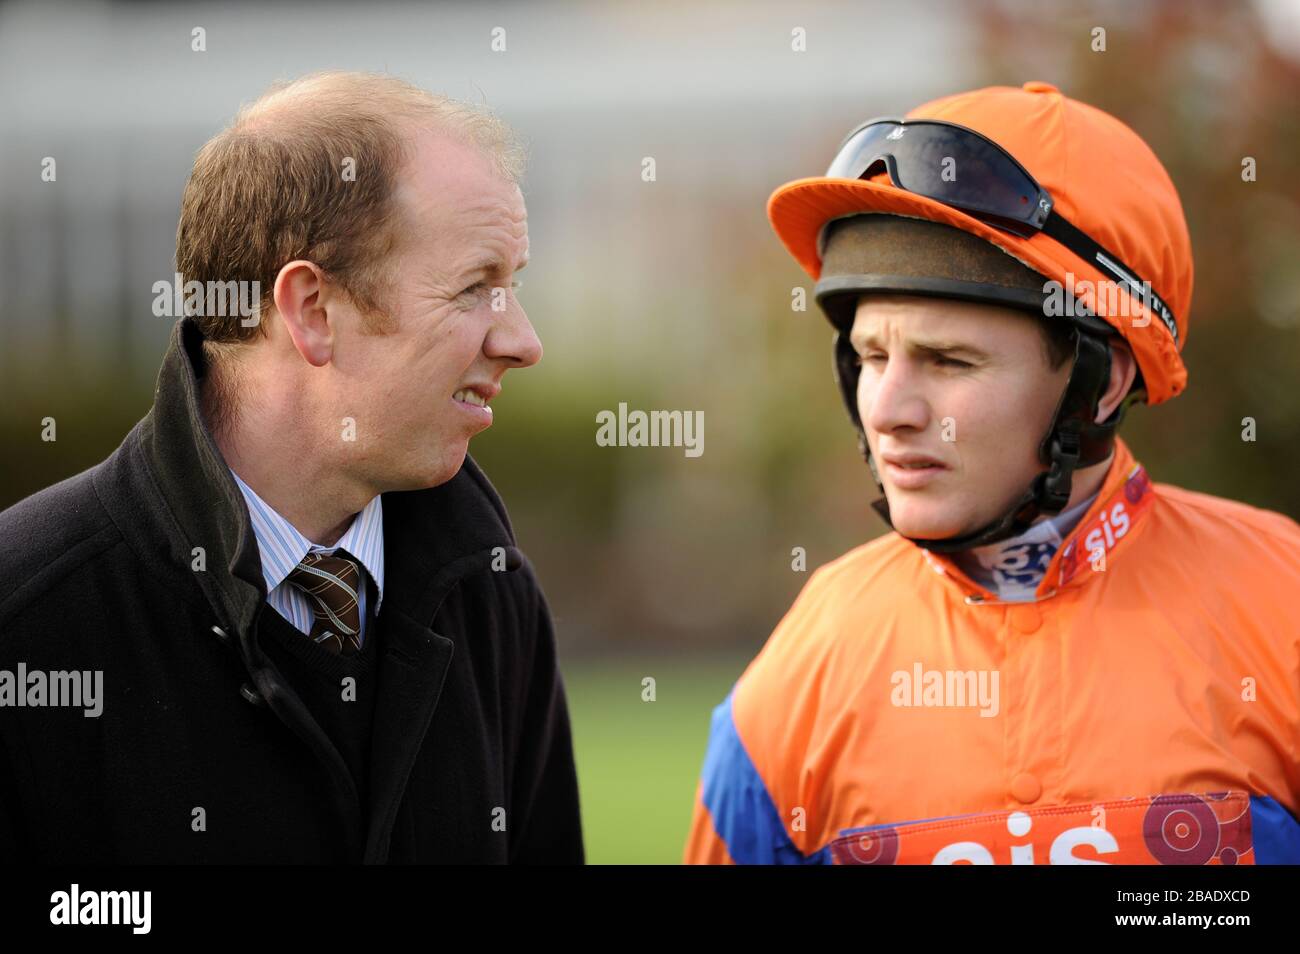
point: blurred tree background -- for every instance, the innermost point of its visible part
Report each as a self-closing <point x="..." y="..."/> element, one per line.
<point x="671" y="294"/>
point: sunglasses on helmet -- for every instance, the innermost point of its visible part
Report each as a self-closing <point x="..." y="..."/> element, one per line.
<point x="971" y="173"/>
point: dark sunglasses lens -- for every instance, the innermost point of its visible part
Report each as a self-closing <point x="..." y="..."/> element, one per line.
<point x="948" y="164"/>
<point x="964" y="170"/>
<point x="863" y="148"/>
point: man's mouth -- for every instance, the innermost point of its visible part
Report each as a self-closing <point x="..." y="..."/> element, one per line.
<point x="474" y="399"/>
<point x="468" y="396"/>
<point x="911" y="471"/>
<point x="912" y="461"/>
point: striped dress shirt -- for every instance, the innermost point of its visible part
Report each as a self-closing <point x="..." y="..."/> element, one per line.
<point x="282" y="547"/>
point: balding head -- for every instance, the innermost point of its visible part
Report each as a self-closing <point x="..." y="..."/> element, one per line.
<point x="309" y="171"/>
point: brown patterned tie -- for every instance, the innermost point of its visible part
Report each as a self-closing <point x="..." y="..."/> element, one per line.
<point x="331" y="584"/>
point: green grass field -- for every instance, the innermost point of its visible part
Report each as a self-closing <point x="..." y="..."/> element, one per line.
<point x="638" y="762"/>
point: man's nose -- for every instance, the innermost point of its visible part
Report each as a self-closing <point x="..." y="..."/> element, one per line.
<point x="892" y="398"/>
<point x="512" y="337"/>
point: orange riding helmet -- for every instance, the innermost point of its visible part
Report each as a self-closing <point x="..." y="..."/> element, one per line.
<point x="1060" y="186"/>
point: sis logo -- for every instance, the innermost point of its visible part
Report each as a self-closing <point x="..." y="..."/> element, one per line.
<point x="1110" y="525"/>
<point x="1204" y="829"/>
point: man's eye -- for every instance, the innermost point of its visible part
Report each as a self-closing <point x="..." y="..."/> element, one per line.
<point x="873" y="357"/>
<point x="480" y="286"/>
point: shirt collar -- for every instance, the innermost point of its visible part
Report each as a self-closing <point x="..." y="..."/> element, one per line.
<point x="282" y="547"/>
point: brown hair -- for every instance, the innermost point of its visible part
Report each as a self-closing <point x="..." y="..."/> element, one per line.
<point x="270" y="188"/>
<point x="1058" y="340"/>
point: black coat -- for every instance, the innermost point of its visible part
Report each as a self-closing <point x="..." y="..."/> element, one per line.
<point x="470" y="757"/>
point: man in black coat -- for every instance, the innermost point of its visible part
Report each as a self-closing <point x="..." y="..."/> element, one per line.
<point x="286" y="620"/>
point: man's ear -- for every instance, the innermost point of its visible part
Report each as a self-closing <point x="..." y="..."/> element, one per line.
<point x="299" y="290"/>
<point x="1123" y="369"/>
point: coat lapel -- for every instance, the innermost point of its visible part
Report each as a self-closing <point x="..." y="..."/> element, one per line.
<point x="432" y="540"/>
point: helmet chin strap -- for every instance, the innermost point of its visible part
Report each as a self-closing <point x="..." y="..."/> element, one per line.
<point x="1073" y="440"/>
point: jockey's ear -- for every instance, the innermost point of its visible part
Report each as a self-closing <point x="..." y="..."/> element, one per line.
<point x="1123" y="369"/>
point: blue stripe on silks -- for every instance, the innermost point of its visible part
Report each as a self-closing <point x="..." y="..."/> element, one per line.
<point x="744" y="815"/>
<point x="1276" y="835"/>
